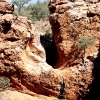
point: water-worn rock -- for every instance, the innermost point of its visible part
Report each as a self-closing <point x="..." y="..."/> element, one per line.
<point x="23" y="58"/>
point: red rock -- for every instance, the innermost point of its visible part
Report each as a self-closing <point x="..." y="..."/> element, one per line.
<point x="81" y="18"/>
<point x="6" y="7"/>
<point x="2" y="0"/>
<point x="23" y="58"/>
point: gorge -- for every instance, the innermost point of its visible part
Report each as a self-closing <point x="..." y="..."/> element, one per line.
<point x="35" y="69"/>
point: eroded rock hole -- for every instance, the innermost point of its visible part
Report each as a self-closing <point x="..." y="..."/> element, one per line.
<point x="6" y="27"/>
<point x="12" y="39"/>
<point x="50" y="48"/>
<point x="52" y="9"/>
<point x="90" y="14"/>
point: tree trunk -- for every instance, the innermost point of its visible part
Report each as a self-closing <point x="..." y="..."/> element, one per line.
<point x="19" y="10"/>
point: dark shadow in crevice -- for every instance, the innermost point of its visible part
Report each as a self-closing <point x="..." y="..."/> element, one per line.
<point x="50" y="48"/>
<point x="89" y="14"/>
<point x="12" y="39"/>
<point x="94" y="93"/>
<point x="6" y="27"/>
<point x="52" y="9"/>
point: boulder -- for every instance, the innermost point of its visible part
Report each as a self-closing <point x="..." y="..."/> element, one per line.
<point x="6" y="7"/>
<point x="2" y="0"/>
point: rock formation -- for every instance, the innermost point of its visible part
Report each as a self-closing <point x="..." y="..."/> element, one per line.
<point x="69" y="20"/>
<point x="6" y="7"/>
<point x="23" y="58"/>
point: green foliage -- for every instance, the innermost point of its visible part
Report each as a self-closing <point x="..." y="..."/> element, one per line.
<point x="88" y="0"/>
<point x="33" y="11"/>
<point x="84" y="42"/>
<point x="20" y="4"/>
<point x="74" y="5"/>
<point x="4" y="82"/>
<point x="39" y="10"/>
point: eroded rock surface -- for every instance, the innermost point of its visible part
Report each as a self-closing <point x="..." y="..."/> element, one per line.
<point x="6" y="7"/>
<point x="69" y="20"/>
<point x="22" y="57"/>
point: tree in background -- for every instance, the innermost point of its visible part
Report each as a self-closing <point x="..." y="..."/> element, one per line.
<point x="84" y="42"/>
<point x="20" y="4"/>
<point x="33" y="11"/>
<point x="39" y="10"/>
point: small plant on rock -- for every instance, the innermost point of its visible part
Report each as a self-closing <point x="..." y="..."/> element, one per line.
<point x="4" y="82"/>
<point x="84" y="42"/>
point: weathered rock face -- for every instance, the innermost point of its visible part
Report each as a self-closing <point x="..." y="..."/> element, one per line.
<point x="69" y="20"/>
<point x="23" y="59"/>
<point x="6" y="7"/>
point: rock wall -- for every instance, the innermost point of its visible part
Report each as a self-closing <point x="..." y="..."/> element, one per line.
<point x="69" y="20"/>
<point x="6" y="7"/>
<point x="22" y="57"/>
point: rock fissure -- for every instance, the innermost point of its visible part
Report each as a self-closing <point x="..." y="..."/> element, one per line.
<point x="50" y="49"/>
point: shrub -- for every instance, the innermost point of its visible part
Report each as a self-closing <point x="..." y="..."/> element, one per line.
<point x="4" y="82"/>
<point x="85" y="42"/>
